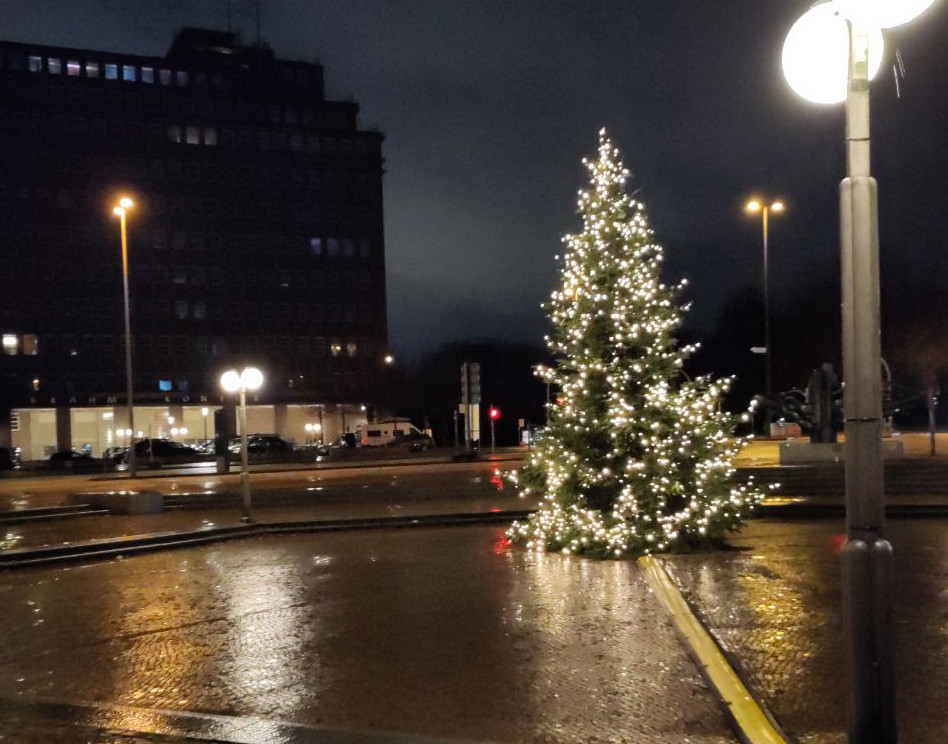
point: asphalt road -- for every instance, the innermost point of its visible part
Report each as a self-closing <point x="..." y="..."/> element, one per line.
<point x="27" y="492"/>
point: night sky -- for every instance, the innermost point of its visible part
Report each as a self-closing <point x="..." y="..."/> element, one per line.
<point x="489" y="106"/>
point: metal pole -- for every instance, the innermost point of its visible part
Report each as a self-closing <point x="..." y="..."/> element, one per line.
<point x="492" y="435"/>
<point x="866" y="557"/>
<point x="768" y="387"/>
<point x="128" y="352"/>
<point x="244" y="460"/>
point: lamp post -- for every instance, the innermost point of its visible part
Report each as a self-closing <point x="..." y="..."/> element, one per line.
<point x="204" y="413"/>
<point x="830" y="55"/>
<point x="120" y="210"/>
<point x="753" y="207"/>
<point x="233" y="381"/>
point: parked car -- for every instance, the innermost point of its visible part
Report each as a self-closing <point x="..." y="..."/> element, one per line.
<point x="261" y="444"/>
<point x="71" y="459"/>
<point x="9" y="458"/>
<point x="158" y="452"/>
<point x="69" y="456"/>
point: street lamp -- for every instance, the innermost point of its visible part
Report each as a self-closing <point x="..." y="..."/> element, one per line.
<point x="755" y="206"/>
<point x="233" y="381"/>
<point x="830" y="55"/>
<point x="120" y="209"/>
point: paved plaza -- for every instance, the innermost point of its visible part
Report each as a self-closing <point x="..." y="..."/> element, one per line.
<point x="440" y="632"/>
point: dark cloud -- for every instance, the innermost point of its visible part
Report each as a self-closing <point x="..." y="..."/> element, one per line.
<point x="488" y="107"/>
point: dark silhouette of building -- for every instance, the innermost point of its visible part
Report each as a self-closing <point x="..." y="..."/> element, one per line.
<point x="256" y="237"/>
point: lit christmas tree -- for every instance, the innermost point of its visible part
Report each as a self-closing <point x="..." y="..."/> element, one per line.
<point x="638" y="458"/>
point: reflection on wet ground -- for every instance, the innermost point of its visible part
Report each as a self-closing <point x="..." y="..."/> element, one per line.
<point x="441" y="632"/>
<point x="776" y="606"/>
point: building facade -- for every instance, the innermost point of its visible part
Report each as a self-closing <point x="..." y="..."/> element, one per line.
<point x="256" y="237"/>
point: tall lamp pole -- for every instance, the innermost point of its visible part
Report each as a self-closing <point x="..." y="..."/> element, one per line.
<point x="753" y="207"/>
<point x="830" y="55"/>
<point x="120" y="209"/>
<point x="233" y="381"/>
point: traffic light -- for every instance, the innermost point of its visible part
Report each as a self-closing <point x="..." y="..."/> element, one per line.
<point x="494" y="413"/>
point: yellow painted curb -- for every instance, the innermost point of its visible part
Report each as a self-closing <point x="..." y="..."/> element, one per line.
<point x="754" y="726"/>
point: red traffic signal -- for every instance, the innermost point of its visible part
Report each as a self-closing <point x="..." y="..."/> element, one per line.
<point x="494" y="413"/>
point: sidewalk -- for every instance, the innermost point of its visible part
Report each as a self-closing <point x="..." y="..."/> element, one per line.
<point x="774" y="606"/>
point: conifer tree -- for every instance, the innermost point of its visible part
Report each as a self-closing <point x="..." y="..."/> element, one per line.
<point x="638" y="458"/>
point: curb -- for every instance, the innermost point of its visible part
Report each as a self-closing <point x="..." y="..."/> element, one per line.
<point x="752" y="723"/>
<point x="109" y="548"/>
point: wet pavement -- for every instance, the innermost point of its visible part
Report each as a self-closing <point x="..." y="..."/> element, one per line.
<point x="459" y="489"/>
<point x="445" y="632"/>
<point x="775" y="605"/>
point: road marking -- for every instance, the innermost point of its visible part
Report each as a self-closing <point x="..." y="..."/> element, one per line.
<point x="753" y="724"/>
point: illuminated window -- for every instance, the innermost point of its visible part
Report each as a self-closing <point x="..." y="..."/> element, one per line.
<point x="111" y="71"/>
<point x="164" y="76"/>
<point x="335" y="347"/>
<point x="193" y="135"/>
<point x="352" y="348"/>
<point x="34" y="64"/>
<point x="174" y="133"/>
<point x="181" y="77"/>
<point x="54" y="65"/>
<point x="316" y="245"/>
<point x="10" y="343"/>
<point x="210" y="136"/>
<point x="148" y="75"/>
<point x="92" y="69"/>
<point x="128" y="73"/>
<point x="30" y="344"/>
<point x="164" y="386"/>
<point x="73" y="68"/>
<point x="333" y="246"/>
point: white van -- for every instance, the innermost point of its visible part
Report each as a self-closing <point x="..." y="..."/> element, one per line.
<point x="388" y="431"/>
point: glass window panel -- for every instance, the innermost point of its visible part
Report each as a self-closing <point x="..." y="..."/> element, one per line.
<point x="129" y="73"/>
<point x="34" y="63"/>
<point x="73" y="68"/>
<point x="92" y="69"/>
<point x="148" y="75"/>
<point x="111" y="72"/>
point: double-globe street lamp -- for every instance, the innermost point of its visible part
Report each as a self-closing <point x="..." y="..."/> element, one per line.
<point x="755" y="206"/>
<point x="830" y="55"/>
<point x="232" y="381"/>
<point x="120" y="209"/>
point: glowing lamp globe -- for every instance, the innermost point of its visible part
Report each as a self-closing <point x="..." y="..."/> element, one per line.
<point x="252" y="378"/>
<point x="816" y="54"/>
<point x="230" y="381"/>
<point x="884" y="13"/>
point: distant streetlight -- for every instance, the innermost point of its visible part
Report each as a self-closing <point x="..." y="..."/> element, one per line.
<point x="389" y="359"/>
<point x="233" y="381"/>
<point x="755" y="206"/>
<point x="120" y="209"/>
<point x="829" y="56"/>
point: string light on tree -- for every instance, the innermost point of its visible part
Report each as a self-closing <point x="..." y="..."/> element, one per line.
<point x="638" y="459"/>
